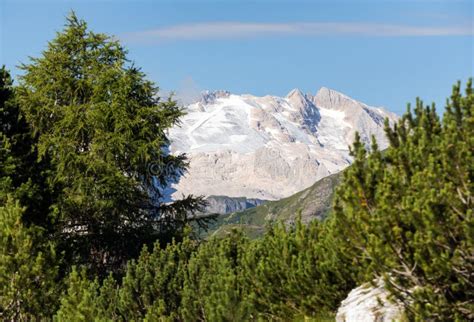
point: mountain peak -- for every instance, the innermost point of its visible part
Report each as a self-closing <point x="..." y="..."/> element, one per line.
<point x="297" y="99"/>
<point x="332" y="99"/>
<point x="295" y="93"/>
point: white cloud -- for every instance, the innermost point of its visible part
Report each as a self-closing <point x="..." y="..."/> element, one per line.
<point x="231" y="30"/>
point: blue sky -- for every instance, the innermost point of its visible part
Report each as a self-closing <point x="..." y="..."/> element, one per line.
<point x="384" y="53"/>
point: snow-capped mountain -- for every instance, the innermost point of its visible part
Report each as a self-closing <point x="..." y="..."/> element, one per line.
<point x="269" y="147"/>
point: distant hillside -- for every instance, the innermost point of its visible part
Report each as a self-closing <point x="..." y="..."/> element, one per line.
<point x="313" y="203"/>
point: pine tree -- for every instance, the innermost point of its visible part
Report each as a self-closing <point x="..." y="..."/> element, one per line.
<point x="288" y="274"/>
<point x="81" y="300"/>
<point x="407" y="214"/>
<point x="153" y="283"/>
<point x="103" y="127"/>
<point x="151" y="288"/>
<point x="292" y="272"/>
<point x="214" y="286"/>
<point x="28" y="268"/>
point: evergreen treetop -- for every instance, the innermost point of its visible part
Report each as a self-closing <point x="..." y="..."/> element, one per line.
<point x="103" y="126"/>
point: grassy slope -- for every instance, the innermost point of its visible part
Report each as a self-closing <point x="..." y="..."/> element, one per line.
<point x="313" y="203"/>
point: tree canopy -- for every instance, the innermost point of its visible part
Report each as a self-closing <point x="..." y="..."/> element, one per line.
<point x="102" y="127"/>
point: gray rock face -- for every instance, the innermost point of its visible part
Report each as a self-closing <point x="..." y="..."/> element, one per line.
<point x="225" y="205"/>
<point x="269" y="147"/>
<point x="369" y="304"/>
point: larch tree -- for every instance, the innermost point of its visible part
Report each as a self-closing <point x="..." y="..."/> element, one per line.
<point x="103" y="126"/>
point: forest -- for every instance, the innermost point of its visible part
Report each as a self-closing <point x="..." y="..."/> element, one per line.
<point x="85" y="235"/>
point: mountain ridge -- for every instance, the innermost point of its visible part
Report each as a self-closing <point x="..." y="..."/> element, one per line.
<point x="270" y="147"/>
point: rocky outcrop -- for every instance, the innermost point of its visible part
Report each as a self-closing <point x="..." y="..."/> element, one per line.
<point x="367" y="303"/>
<point x="225" y="205"/>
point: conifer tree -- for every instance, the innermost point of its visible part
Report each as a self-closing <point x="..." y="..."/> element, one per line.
<point x="293" y="273"/>
<point x="103" y="127"/>
<point x="28" y="261"/>
<point x="29" y="287"/>
<point x="151" y="288"/>
<point x="153" y="284"/>
<point x="21" y="175"/>
<point x="289" y="274"/>
<point x="407" y="214"/>
<point x="214" y="286"/>
<point x="87" y="299"/>
<point x="9" y="120"/>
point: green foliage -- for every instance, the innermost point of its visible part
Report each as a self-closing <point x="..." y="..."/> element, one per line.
<point x="150" y="288"/>
<point x="9" y="117"/>
<point x="292" y="272"/>
<point x="28" y="268"/>
<point x="215" y="288"/>
<point x="81" y="302"/>
<point x="407" y="214"/>
<point x="153" y="284"/>
<point x="289" y="273"/>
<point x="28" y="262"/>
<point x="21" y="175"/>
<point x="103" y="127"/>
